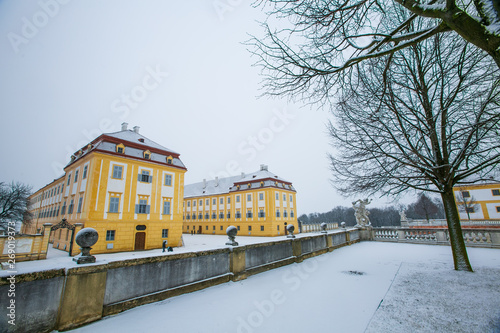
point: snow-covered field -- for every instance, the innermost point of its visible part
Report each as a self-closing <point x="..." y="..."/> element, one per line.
<point x="366" y="287"/>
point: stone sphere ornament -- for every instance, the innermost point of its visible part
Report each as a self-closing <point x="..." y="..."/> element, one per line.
<point x="86" y="238"/>
<point x="323" y="227"/>
<point x="290" y="228"/>
<point x="231" y="232"/>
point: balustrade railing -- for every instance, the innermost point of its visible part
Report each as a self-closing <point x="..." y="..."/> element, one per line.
<point x="316" y="227"/>
<point x="480" y="237"/>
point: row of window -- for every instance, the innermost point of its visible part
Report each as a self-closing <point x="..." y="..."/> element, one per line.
<point x="111" y="234"/>
<point x="54" y="211"/>
<point x="238" y="199"/>
<point x="141" y="208"/>
<point x="54" y="191"/>
<point x="494" y="192"/>
<point x="84" y="175"/>
<point x="146" y="154"/>
<point x="199" y="228"/>
<point x="144" y="176"/>
<point x="473" y="210"/>
<point x="249" y="214"/>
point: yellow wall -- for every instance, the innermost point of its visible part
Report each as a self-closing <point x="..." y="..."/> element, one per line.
<point x="96" y="191"/>
<point x="487" y="200"/>
<point x="273" y="226"/>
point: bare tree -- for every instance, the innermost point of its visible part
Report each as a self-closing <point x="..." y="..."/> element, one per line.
<point x="13" y="204"/>
<point x="425" y="206"/>
<point x="465" y="202"/>
<point x="431" y="124"/>
<point x="310" y="54"/>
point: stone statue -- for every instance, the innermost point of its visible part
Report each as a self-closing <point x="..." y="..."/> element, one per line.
<point x="361" y="213"/>
<point x="404" y="219"/>
<point x="403" y="215"/>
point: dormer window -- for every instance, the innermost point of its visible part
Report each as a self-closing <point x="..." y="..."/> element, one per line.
<point x="147" y="154"/>
<point x="169" y="160"/>
<point x="120" y="148"/>
<point x="141" y="140"/>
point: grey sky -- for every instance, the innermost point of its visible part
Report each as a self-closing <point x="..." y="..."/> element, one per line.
<point x="74" y="69"/>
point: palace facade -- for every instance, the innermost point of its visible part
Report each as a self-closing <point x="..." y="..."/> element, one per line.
<point x="478" y="202"/>
<point x="124" y="185"/>
<point x="258" y="204"/>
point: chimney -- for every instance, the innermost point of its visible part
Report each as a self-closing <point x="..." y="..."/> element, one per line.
<point x="242" y="175"/>
<point x="136" y="129"/>
<point x="263" y="167"/>
<point x="204" y="183"/>
<point x="216" y="181"/>
<point x="124" y="126"/>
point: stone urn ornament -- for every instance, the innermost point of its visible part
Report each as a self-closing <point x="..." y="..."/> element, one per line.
<point x="231" y="232"/>
<point x="290" y="228"/>
<point x="86" y="238"/>
<point x="342" y="225"/>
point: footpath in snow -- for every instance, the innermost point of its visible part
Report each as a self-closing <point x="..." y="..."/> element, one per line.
<point x="365" y="287"/>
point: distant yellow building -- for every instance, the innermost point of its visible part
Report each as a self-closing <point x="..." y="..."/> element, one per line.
<point x="479" y="202"/>
<point x="127" y="187"/>
<point x="258" y="204"/>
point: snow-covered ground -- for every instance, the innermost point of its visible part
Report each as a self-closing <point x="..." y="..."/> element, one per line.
<point x="366" y="287"/>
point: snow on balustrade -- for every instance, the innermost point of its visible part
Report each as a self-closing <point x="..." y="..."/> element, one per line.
<point x="418" y="235"/>
<point x="386" y="234"/>
<point x="482" y="237"/>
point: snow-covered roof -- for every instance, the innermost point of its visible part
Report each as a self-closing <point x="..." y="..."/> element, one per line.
<point x="135" y="145"/>
<point x="262" y="174"/>
<point x="229" y="184"/>
<point x="132" y="136"/>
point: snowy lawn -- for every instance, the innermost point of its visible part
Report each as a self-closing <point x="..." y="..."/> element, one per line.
<point x="366" y="287"/>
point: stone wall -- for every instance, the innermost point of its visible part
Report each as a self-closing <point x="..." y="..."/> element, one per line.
<point x="24" y="247"/>
<point x="67" y="298"/>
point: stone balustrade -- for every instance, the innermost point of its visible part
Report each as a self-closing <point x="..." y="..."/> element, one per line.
<point x="442" y="223"/>
<point x="480" y="237"/>
<point x="316" y="227"/>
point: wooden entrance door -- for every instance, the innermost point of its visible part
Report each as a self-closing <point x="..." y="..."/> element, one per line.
<point x="140" y="241"/>
<point x="199" y="230"/>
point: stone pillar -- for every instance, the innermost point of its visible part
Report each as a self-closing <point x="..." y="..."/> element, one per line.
<point x="45" y="241"/>
<point x="297" y="249"/>
<point x="366" y="233"/>
<point x="83" y="297"/>
<point x="401" y="235"/>
<point x="347" y="237"/>
<point x="329" y="242"/>
<point x="76" y="249"/>
<point x="441" y="236"/>
<point x="237" y="263"/>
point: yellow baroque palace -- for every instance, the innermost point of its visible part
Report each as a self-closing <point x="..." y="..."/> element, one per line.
<point x="127" y="187"/>
<point x="258" y="204"/>
<point x="131" y="190"/>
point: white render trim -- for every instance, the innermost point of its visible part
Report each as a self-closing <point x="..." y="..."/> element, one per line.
<point x="98" y="186"/>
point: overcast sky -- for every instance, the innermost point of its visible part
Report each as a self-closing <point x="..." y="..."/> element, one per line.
<point x="71" y="70"/>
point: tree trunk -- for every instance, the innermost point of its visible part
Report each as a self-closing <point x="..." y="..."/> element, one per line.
<point x="460" y="258"/>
